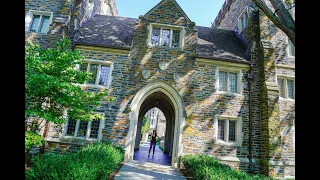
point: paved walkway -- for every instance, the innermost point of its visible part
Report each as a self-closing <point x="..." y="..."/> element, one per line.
<point x="144" y="167"/>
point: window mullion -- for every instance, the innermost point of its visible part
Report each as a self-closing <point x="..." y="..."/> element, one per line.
<point x="170" y="40"/>
<point x="227" y="82"/>
<point x="285" y="89"/>
<point x="98" y="75"/>
<point x="39" y="23"/>
<point x="160" y="38"/>
<point x="88" y="67"/>
<point x="294" y="89"/>
<point x="77" y="128"/>
<point x="88" y="129"/>
<point x="226" y="133"/>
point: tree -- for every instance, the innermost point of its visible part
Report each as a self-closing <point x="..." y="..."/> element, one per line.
<point x="52" y="89"/>
<point x="281" y="16"/>
<point x="145" y="125"/>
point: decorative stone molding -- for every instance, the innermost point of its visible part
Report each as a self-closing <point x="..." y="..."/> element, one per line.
<point x="145" y="73"/>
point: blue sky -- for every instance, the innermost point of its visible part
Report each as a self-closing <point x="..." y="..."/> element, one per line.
<point x="202" y="12"/>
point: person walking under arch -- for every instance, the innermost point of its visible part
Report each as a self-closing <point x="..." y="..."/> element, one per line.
<point x="153" y="141"/>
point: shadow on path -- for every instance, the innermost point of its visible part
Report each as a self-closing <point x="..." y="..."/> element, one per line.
<point x="159" y="157"/>
<point x="157" y="167"/>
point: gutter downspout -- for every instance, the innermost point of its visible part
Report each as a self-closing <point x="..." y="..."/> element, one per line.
<point x="250" y="79"/>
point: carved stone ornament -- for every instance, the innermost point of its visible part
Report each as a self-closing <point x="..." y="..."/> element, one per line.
<point x="145" y="73"/>
<point x="163" y="65"/>
<point x="177" y="77"/>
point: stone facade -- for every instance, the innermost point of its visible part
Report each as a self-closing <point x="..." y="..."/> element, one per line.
<point x="64" y="15"/>
<point x="269" y="55"/>
<point x="194" y="79"/>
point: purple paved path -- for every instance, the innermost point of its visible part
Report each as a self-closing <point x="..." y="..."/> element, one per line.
<point x="159" y="157"/>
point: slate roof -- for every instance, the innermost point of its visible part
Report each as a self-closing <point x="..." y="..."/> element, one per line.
<point x="116" y="32"/>
<point x="219" y="44"/>
<point x="107" y="31"/>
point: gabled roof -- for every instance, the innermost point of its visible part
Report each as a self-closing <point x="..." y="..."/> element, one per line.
<point x="107" y="31"/>
<point x="216" y="43"/>
<point x="117" y="32"/>
<point x="161" y="2"/>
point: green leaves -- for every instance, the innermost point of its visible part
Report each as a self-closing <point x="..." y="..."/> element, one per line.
<point x="52" y="84"/>
<point x="32" y="138"/>
<point x="206" y="167"/>
<point x="96" y="161"/>
<point x="145" y="125"/>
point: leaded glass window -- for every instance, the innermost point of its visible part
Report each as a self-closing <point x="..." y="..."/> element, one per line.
<point x="99" y="73"/>
<point x="281" y="87"/>
<point x="82" y="130"/>
<point x="155" y="36"/>
<point x="165" y="36"/>
<point x="165" y="40"/>
<point x="83" y="67"/>
<point x="290" y="89"/>
<point x="232" y="130"/>
<point x="94" y="70"/>
<point x="44" y="24"/>
<point x="291" y="48"/>
<point x="40" y="23"/>
<point x="104" y="75"/>
<point x="243" y="21"/>
<point x="233" y="82"/>
<point x="221" y="126"/>
<point x="222" y="81"/>
<point x="175" y="38"/>
<point x="71" y="127"/>
<point x="94" y="128"/>
<point x="35" y="23"/>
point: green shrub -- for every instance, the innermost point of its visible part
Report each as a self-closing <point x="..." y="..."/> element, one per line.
<point x="96" y="161"/>
<point x="205" y="167"/>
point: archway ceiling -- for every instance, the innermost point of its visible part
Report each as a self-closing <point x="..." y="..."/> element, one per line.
<point x="163" y="104"/>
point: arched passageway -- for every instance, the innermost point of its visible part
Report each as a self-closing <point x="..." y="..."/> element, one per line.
<point x="157" y="94"/>
<point x="162" y="102"/>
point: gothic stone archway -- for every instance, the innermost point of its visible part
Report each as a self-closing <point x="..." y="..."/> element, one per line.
<point x="179" y="116"/>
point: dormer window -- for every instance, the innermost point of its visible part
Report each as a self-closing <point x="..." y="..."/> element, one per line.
<point x="166" y="36"/>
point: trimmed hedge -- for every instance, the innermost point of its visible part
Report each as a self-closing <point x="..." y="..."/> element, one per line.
<point x="204" y="167"/>
<point x="95" y="161"/>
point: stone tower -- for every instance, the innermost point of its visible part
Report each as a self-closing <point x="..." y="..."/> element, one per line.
<point x="64" y="18"/>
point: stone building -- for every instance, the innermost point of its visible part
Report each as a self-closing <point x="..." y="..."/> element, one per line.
<point x="227" y="90"/>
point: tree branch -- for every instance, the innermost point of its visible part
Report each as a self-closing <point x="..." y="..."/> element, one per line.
<point x="282" y="20"/>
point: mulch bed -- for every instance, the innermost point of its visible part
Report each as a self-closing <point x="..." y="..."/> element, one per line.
<point x="187" y="174"/>
<point x="112" y="175"/>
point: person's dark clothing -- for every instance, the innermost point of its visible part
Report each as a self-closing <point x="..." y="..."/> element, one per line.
<point x="153" y="143"/>
<point x="153" y="139"/>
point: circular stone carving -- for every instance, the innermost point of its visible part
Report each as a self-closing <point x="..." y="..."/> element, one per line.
<point x="145" y="73"/>
<point x="163" y="65"/>
<point x="177" y="77"/>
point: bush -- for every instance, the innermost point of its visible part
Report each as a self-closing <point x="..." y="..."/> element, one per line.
<point x="96" y="161"/>
<point x="205" y="167"/>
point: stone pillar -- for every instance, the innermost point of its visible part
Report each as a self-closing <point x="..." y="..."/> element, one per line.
<point x="137" y="141"/>
<point x="270" y="114"/>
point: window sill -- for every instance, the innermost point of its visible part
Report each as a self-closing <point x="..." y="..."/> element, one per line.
<point x="286" y="99"/>
<point x="228" y="93"/>
<point x="164" y="47"/>
<point x="72" y="140"/>
<point x="220" y="142"/>
<point x="86" y="86"/>
<point x="30" y="32"/>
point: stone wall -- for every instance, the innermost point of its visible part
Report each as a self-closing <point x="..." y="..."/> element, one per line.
<point x="116" y="126"/>
<point x="267" y="45"/>
<point x="228" y="19"/>
<point x="57" y="30"/>
<point x="64" y="15"/>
